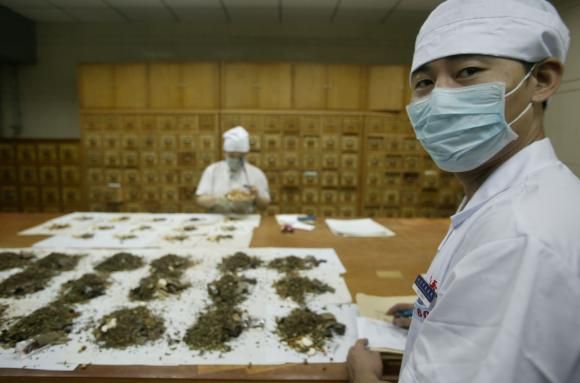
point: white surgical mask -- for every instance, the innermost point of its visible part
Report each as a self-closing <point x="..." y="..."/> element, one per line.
<point x="235" y="163"/>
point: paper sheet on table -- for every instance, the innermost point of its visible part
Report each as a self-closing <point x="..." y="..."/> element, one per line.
<point x="365" y="227"/>
<point x="375" y="307"/>
<point x="382" y="336"/>
<point x="292" y="220"/>
<point x="256" y="346"/>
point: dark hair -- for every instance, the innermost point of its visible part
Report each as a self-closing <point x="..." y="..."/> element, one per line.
<point x="527" y="67"/>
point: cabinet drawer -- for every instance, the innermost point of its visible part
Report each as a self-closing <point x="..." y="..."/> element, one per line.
<point x="95" y="176"/>
<point x="375" y="161"/>
<point x="291" y="160"/>
<point x="310" y="178"/>
<point x="331" y="124"/>
<point x="311" y="161"/>
<point x="392" y="180"/>
<point x="169" y="176"/>
<point x="330" y="160"/>
<point x="374" y="179"/>
<point x="131" y="177"/>
<point x="272" y="124"/>
<point x="186" y="159"/>
<point x="28" y="175"/>
<point x="310" y="143"/>
<point x="7" y="154"/>
<point x="374" y="125"/>
<point x="412" y="163"/>
<point x="26" y="153"/>
<point x="207" y="123"/>
<point x="9" y="196"/>
<point x="272" y="142"/>
<point x="352" y="125"/>
<point x="151" y="193"/>
<point x="93" y="141"/>
<point x="168" y="142"/>
<point x="114" y="176"/>
<point x="374" y="197"/>
<point x="255" y="143"/>
<point x="328" y="197"/>
<point x="328" y="211"/>
<point x="393" y="163"/>
<point x="310" y="210"/>
<point x="375" y="144"/>
<point x="148" y="159"/>
<point x="188" y="177"/>
<point x="168" y="159"/>
<point x="148" y="142"/>
<point x="348" y="211"/>
<point x="30" y="195"/>
<point x="47" y="153"/>
<point x="205" y="159"/>
<point x="270" y="160"/>
<point x="290" y="178"/>
<point x="71" y="197"/>
<point x="50" y="196"/>
<point x="8" y="175"/>
<point x="187" y="143"/>
<point x="310" y="196"/>
<point x="166" y="123"/>
<point x="112" y="159"/>
<point x="130" y="159"/>
<point x="348" y="179"/>
<point x="96" y="194"/>
<point x="347" y="196"/>
<point x="329" y="179"/>
<point x="391" y="197"/>
<point x="186" y="124"/>
<point x="112" y="141"/>
<point x="70" y="175"/>
<point x="349" y="161"/>
<point x="350" y="143"/>
<point x="330" y="142"/>
<point x="290" y="198"/>
<point x="170" y="194"/>
<point x="254" y="159"/>
<point x="291" y="143"/>
<point x="130" y="141"/>
<point x="310" y="125"/>
<point x="150" y="177"/>
<point x="207" y="143"/>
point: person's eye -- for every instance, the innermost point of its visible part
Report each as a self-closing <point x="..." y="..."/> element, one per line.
<point x="422" y="84"/>
<point x="468" y="72"/>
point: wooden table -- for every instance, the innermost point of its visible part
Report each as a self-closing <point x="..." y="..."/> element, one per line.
<point x="373" y="266"/>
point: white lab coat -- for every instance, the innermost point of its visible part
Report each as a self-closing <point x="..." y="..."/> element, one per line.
<point x="218" y="180"/>
<point x="508" y="282"/>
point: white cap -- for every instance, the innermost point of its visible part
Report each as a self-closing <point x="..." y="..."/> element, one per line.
<point x="527" y="30"/>
<point x="237" y="140"/>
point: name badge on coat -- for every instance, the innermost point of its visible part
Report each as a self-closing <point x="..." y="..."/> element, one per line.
<point x="425" y="292"/>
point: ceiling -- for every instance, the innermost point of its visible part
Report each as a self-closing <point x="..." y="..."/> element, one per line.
<point x="211" y="11"/>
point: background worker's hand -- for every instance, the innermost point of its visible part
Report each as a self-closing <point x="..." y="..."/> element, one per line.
<point x="253" y="191"/>
<point x="401" y="321"/>
<point x="364" y="365"/>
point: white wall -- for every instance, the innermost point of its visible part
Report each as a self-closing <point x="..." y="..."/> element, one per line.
<point x="49" y="90"/>
<point x="563" y="115"/>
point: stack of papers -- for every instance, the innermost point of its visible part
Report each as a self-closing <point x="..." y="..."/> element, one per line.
<point x="358" y="228"/>
<point x="377" y="327"/>
<point x="294" y="220"/>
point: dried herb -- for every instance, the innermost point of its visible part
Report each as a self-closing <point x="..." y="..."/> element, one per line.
<point x="57" y="262"/>
<point x="170" y="265"/>
<point x="120" y="262"/>
<point x="238" y="262"/>
<point x="143" y="228"/>
<point x="228" y="228"/>
<point x="155" y="287"/>
<point x="121" y="219"/>
<point x="58" y="226"/>
<point x="176" y="237"/>
<point x="26" y="282"/>
<point x="220" y="237"/>
<point x="159" y="219"/>
<point x="293" y="263"/>
<point x="125" y="237"/>
<point x="51" y="322"/>
<point x="306" y="331"/>
<point x="296" y="287"/>
<point x="230" y="289"/>
<point x="105" y="227"/>
<point x="85" y="235"/>
<point x="85" y="288"/>
<point x="190" y="228"/>
<point x="214" y="328"/>
<point x="129" y="327"/>
<point x="84" y="218"/>
<point x="11" y="260"/>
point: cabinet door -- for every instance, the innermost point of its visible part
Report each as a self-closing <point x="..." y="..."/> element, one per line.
<point x="239" y="87"/>
<point x="344" y="87"/>
<point x="47" y="153"/>
<point x="200" y="85"/>
<point x="48" y="175"/>
<point x="130" y="90"/>
<point x="309" y="86"/>
<point x="96" y="86"/>
<point x="274" y="86"/>
<point x="386" y="87"/>
<point x="164" y="86"/>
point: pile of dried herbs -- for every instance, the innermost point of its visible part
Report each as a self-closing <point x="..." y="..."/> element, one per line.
<point x="214" y="328"/>
<point x="47" y="325"/>
<point x="58" y="226"/>
<point x="239" y="262"/>
<point x="85" y="288"/>
<point x="230" y="289"/>
<point x="306" y="331"/>
<point x="36" y="276"/>
<point x="155" y="287"/>
<point x="293" y="263"/>
<point x="296" y="287"/>
<point x="164" y="279"/>
<point x="11" y="260"/>
<point x="129" y="327"/>
<point x="120" y="262"/>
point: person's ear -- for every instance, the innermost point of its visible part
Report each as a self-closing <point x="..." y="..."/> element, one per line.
<point x="548" y="75"/>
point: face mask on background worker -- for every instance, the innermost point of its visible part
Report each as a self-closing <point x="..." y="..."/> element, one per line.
<point x="463" y="128"/>
<point x="234" y="163"/>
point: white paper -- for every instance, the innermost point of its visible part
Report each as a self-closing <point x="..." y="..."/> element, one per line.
<point x="256" y="346"/>
<point x="366" y="227"/>
<point x="293" y="221"/>
<point x="381" y="335"/>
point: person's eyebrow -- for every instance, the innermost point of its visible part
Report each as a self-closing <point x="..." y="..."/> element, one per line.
<point x="423" y="69"/>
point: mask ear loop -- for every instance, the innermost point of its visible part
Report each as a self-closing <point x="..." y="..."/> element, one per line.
<point x="515" y="90"/>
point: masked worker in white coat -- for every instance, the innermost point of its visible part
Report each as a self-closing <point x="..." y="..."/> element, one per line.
<point x="233" y="185"/>
<point x="501" y="299"/>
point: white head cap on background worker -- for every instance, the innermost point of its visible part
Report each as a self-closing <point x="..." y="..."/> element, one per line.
<point x="237" y="140"/>
<point x="525" y="30"/>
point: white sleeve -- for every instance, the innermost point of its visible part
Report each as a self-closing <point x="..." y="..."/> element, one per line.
<point x="262" y="184"/>
<point x="205" y="183"/>
<point x="507" y="312"/>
